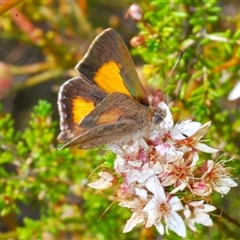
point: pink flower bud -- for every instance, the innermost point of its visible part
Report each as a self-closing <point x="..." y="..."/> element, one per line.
<point x="135" y="12"/>
<point x="137" y="41"/>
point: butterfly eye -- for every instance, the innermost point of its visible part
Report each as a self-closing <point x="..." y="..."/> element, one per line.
<point x="158" y="115"/>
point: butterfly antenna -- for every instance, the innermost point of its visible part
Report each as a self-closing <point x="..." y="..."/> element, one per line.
<point x="171" y="72"/>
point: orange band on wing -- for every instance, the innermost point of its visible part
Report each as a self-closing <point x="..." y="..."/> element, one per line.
<point x="109" y="79"/>
<point x="81" y="107"/>
<point x="110" y="116"/>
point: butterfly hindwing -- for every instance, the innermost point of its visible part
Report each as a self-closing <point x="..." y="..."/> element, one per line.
<point x="112" y="121"/>
<point x="77" y="98"/>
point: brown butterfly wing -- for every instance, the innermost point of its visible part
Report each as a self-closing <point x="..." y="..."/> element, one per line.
<point x="76" y="99"/>
<point x="109" y="65"/>
<point x="113" y="120"/>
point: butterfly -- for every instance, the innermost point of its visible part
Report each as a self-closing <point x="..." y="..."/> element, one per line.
<point x="106" y="103"/>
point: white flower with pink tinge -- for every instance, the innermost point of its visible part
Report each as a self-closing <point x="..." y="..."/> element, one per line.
<point x="161" y="208"/>
<point x="104" y="182"/>
<point x="189" y="134"/>
<point x="197" y="212"/>
<point x="217" y="176"/>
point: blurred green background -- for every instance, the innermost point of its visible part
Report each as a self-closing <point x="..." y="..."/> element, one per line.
<point x="43" y="193"/>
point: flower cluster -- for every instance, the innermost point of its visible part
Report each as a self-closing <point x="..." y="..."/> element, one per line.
<point x="162" y="179"/>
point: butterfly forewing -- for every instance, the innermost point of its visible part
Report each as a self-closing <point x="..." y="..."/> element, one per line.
<point x="114" y="70"/>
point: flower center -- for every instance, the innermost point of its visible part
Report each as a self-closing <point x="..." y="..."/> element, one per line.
<point x="164" y="208"/>
<point x="180" y="172"/>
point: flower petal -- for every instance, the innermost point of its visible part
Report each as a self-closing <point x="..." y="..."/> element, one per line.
<point x="205" y="148"/>
<point x="186" y="128"/>
<point x="175" y="203"/>
<point x="155" y="187"/>
<point x="175" y="223"/>
<point x="104" y="182"/>
<point x="204" y="219"/>
<point x="160" y="228"/>
<point x="133" y="221"/>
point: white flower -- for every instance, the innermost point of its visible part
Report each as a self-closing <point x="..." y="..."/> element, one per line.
<point x="218" y="176"/>
<point x="160" y="207"/>
<point x="138" y="215"/>
<point x="197" y="212"/>
<point x="190" y="133"/>
<point x="104" y="182"/>
<point x="177" y="174"/>
<point x="139" y="176"/>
